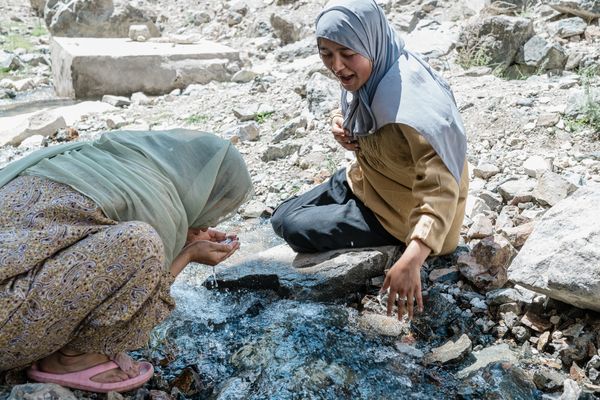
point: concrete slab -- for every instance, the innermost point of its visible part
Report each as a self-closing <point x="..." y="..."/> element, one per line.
<point x="93" y="67"/>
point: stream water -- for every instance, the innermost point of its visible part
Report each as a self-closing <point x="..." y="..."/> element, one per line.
<point x="255" y="345"/>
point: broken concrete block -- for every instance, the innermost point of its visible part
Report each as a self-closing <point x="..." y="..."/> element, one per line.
<point x="93" y="67"/>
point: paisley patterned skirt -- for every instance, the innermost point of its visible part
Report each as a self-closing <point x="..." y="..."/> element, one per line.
<point x="71" y="276"/>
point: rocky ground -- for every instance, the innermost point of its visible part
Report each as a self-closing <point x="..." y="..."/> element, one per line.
<point x="527" y="82"/>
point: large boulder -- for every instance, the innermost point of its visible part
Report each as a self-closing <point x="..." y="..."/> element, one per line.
<point x="97" y="18"/>
<point x="494" y="40"/>
<point x="561" y="258"/>
<point x="38" y="7"/>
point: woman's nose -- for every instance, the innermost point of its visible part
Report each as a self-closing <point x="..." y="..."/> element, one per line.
<point x="337" y="65"/>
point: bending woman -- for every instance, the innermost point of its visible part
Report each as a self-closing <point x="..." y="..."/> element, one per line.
<point x="92" y="236"/>
<point x="409" y="182"/>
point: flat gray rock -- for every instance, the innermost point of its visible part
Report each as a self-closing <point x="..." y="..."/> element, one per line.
<point x="328" y="276"/>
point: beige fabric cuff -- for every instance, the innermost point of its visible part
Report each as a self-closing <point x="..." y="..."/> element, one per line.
<point x="424" y="231"/>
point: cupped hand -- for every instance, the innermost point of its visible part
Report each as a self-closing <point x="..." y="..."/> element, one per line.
<point x="209" y="252"/>
<point x="343" y="136"/>
<point x="210" y="234"/>
<point x="404" y="280"/>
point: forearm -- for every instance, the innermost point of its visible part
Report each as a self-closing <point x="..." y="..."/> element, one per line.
<point x="179" y="263"/>
<point x="415" y="254"/>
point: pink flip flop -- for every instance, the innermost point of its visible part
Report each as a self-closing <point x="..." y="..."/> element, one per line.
<point x="83" y="379"/>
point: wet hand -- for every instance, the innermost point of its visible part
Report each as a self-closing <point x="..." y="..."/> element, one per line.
<point x="210" y="234"/>
<point x="404" y="280"/>
<point x="209" y="252"/>
<point x="343" y="136"/>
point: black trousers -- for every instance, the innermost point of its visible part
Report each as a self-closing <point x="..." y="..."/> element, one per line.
<point x="329" y="217"/>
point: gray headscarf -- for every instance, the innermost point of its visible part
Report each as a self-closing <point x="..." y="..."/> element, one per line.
<point x="402" y="88"/>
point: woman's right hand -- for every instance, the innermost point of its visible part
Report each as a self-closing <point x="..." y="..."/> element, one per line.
<point x="203" y="252"/>
<point x="208" y="252"/>
<point x="342" y="136"/>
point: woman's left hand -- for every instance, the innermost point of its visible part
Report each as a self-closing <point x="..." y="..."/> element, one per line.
<point x="209" y="252"/>
<point x="210" y="234"/>
<point x="404" y="279"/>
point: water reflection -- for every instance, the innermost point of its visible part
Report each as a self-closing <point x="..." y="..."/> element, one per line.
<point x="254" y="345"/>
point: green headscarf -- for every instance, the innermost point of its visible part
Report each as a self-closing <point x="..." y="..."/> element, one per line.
<point x="173" y="180"/>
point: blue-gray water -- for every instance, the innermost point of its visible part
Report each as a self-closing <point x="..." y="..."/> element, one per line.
<point x="255" y="345"/>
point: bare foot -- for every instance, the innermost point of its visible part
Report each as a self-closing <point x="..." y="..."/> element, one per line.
<point x="63" y="362"/>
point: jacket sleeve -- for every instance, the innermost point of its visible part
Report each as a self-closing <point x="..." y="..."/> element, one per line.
<point x="436" y="193"/>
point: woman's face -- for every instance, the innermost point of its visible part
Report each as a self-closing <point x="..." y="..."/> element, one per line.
<point x="350" y="68"/>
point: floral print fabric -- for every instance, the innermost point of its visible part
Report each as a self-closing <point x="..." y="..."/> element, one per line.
<point x="71" y="276"/>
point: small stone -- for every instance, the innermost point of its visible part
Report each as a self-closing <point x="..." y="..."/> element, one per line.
<point x="535" y="322"/>
<point x="139" y="33"/>
<point x="381" y="324"/>
<point x="117" y="101"/>
<point x="543" y="340"/>
<point x="450" y="351"/>
<point x="520" y="333"/>
<point x="444" y="275"/>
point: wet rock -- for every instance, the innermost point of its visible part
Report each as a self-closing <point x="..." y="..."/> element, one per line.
<point x="440" y="275"/>
<point x="488" y="262"/>
<point x="412" y="351"/>
<point x="548" y="379"/>
<point x="535" y="322"/>
<point x="568" y="234"/>
<point x="498" y="381"/>
<point x="382" y="325"/>
<point x="187" y="382"/>
<point x="520" y="333"/>
<point x="571" y="390"/>
<point x="159" y="395"/>
<point x="451" y="351"/>
<point x="49" y="391"/>
<point x="114" y="396"/>
<point x="325" y="276"/>
<point x="488" y="355"/>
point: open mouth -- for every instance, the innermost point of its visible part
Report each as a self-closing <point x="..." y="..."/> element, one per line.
<point x="346" y="79"/>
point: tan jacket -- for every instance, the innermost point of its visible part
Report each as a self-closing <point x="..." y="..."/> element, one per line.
<point x="400" y="177"/>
